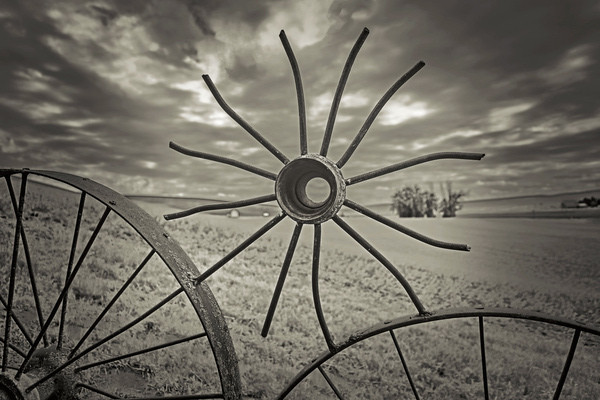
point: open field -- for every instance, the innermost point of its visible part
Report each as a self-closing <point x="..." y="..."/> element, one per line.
<point x="537" y="265"/>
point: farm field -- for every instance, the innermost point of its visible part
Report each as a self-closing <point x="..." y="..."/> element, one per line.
<point x="537" y="265"/>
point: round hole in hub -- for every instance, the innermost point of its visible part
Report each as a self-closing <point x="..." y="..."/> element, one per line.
<point x="310" y="189"/>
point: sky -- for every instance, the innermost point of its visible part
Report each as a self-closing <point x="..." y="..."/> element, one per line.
<point x="100" y="88"/>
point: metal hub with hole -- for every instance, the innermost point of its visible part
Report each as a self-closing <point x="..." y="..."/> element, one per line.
<point x="294" y="198"/>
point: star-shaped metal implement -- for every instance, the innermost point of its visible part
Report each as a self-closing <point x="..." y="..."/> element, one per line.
<point x="292" y="180"/>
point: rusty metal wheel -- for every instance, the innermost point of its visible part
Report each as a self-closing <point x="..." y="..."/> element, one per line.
<point x="292" y="195"/>
<point x="99" y="301"/>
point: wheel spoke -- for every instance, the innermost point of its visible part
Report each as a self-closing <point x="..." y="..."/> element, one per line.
<point x="13" y="271"/>
<point x="412" y="162"/>
<point x="106" y="339"/>
<point x="282" y="275"/>
<point x="400" y="228"/>
<point x="299" y="91"/>
<point x="565" y="371"/>
<point x="143" y="351"/>
<point x="266" y="144"/>
<point x="483" y="361"/>
<point x="32" y="281"/>
<point x="223" y="160"/>
<point x="384" y="261"/>
<point x="315" y="288"/>
<point x="63" y="313"/>
<point x="221" y="206"/>
<point x="240" y="248"/>
<point x="17" y="321"/>
<point x="378" y="107"/>
<point x="340" y="90"/>
<point x="112" y="302"/>
<point x="15" y="348"/>
<point x="404" y="365"/>
<point x="96" y="390"/>
<point x="330" y="382"/>
<point x="64" y="292"/>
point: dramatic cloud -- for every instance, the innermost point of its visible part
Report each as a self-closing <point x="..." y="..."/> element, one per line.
<point x="99" y="89"/>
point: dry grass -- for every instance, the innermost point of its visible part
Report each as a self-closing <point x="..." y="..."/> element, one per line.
<point x="524" y="358"/>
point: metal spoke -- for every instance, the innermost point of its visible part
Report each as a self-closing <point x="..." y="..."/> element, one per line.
<point x="378" y="107"/>
<point x="96" y="390"/>
<point x="315" y="288"/>
<point x="32" y="281"/>
<point x="223" y="160"/>
<point x="221" y="206"/>
<point x="17" y="321"/>
<point x="565" y="371"/>
<point x="143" y="351"/>
<point x="330" y="382"/>
<point x="240" y="248"/>
<point x="412" y="162"/>
<point x="106" y="339"/>
<point x="15" y="348"/>
<point x="299" y="91"/>
<point x="241" y="122"/>
<point x="403" y="229"/>
<point x="483" y="361"/>
<point x="404" y="365"/>
<point x="112" y="302"/>
<point x="384" y="261"/>
<point x="282" y="275"/>
<point x="63" y="313"/>
<point x="340" y="89"/>
<point x="13" y="273"/>
<point x="64" y="292"/>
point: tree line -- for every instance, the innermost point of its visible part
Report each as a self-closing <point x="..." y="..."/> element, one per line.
<point x="413" y="202"/>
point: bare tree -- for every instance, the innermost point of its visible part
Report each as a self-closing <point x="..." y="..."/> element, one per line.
<point x="452" y="201"/>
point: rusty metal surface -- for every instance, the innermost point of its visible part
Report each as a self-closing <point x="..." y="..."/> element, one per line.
<point x="176" y="260"/>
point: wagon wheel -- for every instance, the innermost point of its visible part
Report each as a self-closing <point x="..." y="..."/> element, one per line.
<point x="294" y="198"/>
<point x="119" y="319"/>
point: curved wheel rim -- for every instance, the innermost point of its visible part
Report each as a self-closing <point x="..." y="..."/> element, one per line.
<point x="178" y="262"/>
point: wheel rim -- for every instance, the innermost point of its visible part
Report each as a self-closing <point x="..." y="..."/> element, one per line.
<point x="40" y="348"/>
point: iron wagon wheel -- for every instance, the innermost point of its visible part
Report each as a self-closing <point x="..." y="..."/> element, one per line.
<point x="481" y="314"/>
<point x="165" y="335"/>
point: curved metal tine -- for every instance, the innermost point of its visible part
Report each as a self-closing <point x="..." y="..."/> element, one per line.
<point x="266" y="144"/>
<point x="483" y="360"/>
<point x="139" y="352"/>
<point x="412" y="162"/>
<point x="221" y="206"/>
<point x="106" y="339"/>
<point x="363" y="131"/>
<point x="565" y="371"/>
<point x="299" y="91"/>
<point x="13" y="273"/>
<point x="340" y="89"/>
<point x="315" y="288"/>
<point x="63" y="313"/>
<point x="203" y="276"/>
<point x="112" y="302"/>
<point x="330" y="382"/>
<point x="404" y="365"/>
<point x="17" y="321"/>
<point x="32" y="281"/>
<point x="223" y="160"/>
<point x="282" y="275"/>
<point x="384" y="261"/>
<point x="63" y="292"/>
<point x="400" y="228"/>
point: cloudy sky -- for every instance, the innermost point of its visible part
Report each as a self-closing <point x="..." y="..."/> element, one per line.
<point x="100" y="88"/>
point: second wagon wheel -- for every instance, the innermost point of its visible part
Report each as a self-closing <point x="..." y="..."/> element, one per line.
<point x="99" y="301"/>
<point x="291" y="191"/>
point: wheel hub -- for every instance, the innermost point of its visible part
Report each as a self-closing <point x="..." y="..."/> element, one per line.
<point x="292" y="183"/>
<point x="43" y="361"/>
